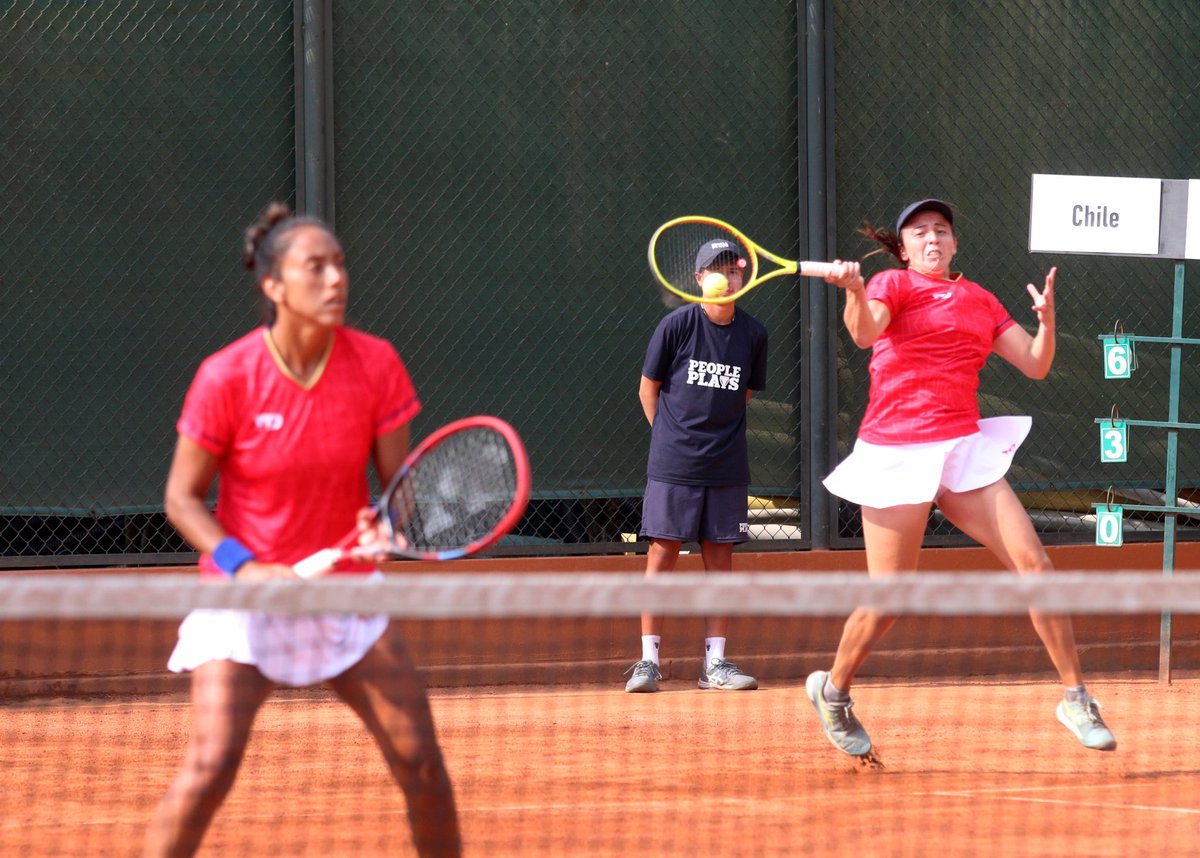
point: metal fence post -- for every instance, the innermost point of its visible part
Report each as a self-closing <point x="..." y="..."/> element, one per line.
<point x="314" y="108"/>
<point x="816" y="154"/>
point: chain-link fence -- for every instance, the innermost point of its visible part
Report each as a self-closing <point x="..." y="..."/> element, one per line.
<point x="495" y="170"/>
<point x="136" y="137"/>
<point x="966" y="101"/>
<point x="500" y="168"/>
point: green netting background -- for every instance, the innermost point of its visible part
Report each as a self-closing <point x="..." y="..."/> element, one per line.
<point x="495" y="169"/>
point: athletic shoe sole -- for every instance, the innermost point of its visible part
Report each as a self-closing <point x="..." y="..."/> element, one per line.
<point x="637" y="686"/>
<point x="748" y="683"/>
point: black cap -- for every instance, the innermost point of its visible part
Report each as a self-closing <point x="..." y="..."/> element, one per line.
<point x="711" y="250"/>
<point x="931" y="204"/>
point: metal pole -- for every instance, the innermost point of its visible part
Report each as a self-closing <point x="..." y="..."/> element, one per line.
<point x="1170" y="489"/>
<point x="313" y="38"/>
<point x="816" y="175"/>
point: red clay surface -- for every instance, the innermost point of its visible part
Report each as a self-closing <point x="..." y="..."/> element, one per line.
<point x="976" y="769"/>
<point x="971" y="760"/>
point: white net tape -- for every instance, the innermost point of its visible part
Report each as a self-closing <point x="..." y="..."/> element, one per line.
<point x="478" y="595"/>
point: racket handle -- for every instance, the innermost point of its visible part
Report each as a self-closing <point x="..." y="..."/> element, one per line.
<point x="316" y="565"/>
<point x="815" y="269"/>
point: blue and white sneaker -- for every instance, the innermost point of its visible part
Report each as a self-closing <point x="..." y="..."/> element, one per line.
<point x="1083" y="719"/>
<point x="645" y="678"/>
<point x="839" y="723"/>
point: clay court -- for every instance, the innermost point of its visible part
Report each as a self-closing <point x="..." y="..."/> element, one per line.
<point x="549" y="757"/>
<point x="974" y="769"/>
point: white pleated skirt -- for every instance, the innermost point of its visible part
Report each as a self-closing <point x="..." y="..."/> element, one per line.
<point x="880" y="476"/>
<point x="289" y="649"/>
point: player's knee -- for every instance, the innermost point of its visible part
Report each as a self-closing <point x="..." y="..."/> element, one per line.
<point x="214" y="765"/>
<point x="871" y="618"/>
<point x="431" y="772"/>
<point x="412" y="753"/>
<point x="425" y="768"/>
<point x="1033" y="561"/>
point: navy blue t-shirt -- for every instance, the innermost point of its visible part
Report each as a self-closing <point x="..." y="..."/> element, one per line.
<point x="699" y="432"/>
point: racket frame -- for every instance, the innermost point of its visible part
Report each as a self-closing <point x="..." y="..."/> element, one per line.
<point x="323" y="561"/>
<point x="754" y="250"/>
<point x="507" y="522"/>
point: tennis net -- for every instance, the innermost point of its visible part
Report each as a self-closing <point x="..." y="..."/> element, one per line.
<point x="549" y="756"/>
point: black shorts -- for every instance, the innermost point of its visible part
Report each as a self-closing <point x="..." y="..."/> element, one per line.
<point x="692" y="513"/>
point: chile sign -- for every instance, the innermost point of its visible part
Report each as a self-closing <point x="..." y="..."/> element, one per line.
<point x="1115" y="216"/>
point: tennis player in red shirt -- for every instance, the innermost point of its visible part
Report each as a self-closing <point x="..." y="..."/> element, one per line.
<point x="288" y="417"/>
<point x="922" y="442"/>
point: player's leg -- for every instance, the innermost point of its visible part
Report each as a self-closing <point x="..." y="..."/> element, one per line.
<point x="385" y="691"/>
<point x="670" y="516"/>
<point x="723" y="522"/>
<point x="717" y="557"/>
<point x="994" y="517"/>
<point x="644" y="674"/>
<point x="893" y="537"/>
<point x="225" y="698"/>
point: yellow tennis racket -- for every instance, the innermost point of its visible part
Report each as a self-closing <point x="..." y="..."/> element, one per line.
<point x="681" y="248"/>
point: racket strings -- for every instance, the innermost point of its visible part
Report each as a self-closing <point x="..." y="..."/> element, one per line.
<point x="457" y="493"/>
<point x="675" y="248"/>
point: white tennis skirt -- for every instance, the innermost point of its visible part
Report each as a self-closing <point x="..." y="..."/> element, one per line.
<point x="289" y="649"/>
<point x="881" y="476"/>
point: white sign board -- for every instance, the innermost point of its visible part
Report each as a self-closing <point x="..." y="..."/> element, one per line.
<point x="1192" y="242"/>
<point x="1115" y="216"/>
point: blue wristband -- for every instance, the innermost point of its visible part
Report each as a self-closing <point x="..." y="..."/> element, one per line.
<point x="230" y="555"/>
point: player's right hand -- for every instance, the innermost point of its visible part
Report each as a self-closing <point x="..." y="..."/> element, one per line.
<point x="846" y="274"/>
<point x="372" y="542"/>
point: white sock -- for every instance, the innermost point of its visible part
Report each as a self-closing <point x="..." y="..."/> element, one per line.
<point x="714" y="650"/>
<point x="650" y="647"/>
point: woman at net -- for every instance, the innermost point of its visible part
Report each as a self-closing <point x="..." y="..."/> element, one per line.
<point x="286" y="418"/>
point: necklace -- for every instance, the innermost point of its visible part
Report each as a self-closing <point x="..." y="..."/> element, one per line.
<point x="307" y="378"/>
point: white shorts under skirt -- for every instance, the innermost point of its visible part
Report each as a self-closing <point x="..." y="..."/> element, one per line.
<point x="288" y="649"/>
<point x="881" y="476"/>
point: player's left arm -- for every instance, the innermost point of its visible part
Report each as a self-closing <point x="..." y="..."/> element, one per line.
<point x="648" y="390"/>
<point x="1032" y="355"/>
<point x="757" y="378"/>
<point x="388" y="454"/>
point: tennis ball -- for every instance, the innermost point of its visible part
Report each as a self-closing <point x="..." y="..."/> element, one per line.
<point x="714" y="285"/>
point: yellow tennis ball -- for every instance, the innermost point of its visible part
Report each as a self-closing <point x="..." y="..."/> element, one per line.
<point x="714" y="285"/>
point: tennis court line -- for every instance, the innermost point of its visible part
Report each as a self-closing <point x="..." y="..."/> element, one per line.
<point x="670" y="804"/>
<point x="1107" y="804"/>
<point x="967" y="793"/>
<point x="399" y="811"/>
<point x="1049" y="787"/>
<point x="603" y="806"/>
<point x="1006" y="793"/>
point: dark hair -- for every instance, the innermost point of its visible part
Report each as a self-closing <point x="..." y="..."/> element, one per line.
<point x="887" y="240"/>
<point x="266" y="240"/>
